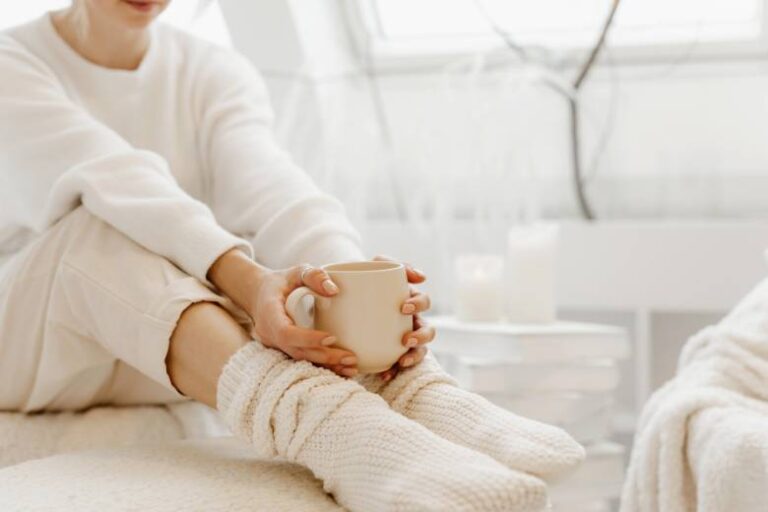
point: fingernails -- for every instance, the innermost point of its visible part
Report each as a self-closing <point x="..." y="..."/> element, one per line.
<point x="419" y="273"/>
<point x="330" y="340"/>
<point x="330" y="287"/>
<point x="411" y="342"/>
<point x="408" y="309"/>
<point x="348" y="360"/>
<point x="349" y="372"/>
<point x="408" y="361"/>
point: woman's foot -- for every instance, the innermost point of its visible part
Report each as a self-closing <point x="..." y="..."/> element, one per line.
<point x="369" y="457"/>
<point x="427" y="395"/>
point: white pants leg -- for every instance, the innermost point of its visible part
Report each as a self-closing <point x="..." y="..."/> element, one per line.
<point x="86" y="315"/>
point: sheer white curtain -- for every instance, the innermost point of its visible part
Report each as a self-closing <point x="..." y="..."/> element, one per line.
<point x="483" y="139"/>
<point x="569" y="23"/>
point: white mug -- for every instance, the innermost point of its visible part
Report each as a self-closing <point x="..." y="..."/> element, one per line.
<point x="364" y="315"/>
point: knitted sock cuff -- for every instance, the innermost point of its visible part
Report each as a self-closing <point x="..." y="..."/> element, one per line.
<point x="276" y="403"/>
<point x="240" y="380"/>
<point x="297" y="398"/>
<point x="407" y="383"/>
<point x="371" y="382"/>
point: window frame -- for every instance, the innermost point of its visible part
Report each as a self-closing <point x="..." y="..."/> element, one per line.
<point x="386" y="54"/>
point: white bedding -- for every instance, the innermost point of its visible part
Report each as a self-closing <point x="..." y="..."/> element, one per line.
<point x="143" y="458"/>
<point x="198" y="475"/>
<point x="31" y="436"/>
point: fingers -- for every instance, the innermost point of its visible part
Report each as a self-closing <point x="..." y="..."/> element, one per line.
<point x="284" y="334"/>
<point x="412" y="357"/>
<point x="331" y="357"/>
<point x="328" y="358"/>
<point x="387" y="375"/>
<point x="322" y="355"/>
<point x="344" y="371"/>
<point x="315" y="347"/>
<point x="417" y="303"/>
<point x="293" y="336"/>
<point x="421" y="336"/>
<point x="339" y="361"/>
<point x="413" y="274"/>
<point x="317" y="280"/>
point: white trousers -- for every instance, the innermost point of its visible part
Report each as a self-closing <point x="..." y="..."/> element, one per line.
<point x="86" y="315"/>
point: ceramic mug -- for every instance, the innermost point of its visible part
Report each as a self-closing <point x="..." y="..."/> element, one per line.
<point x="364" y="315"/>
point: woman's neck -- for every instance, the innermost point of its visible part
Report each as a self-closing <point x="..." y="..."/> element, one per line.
<point x="102" y="44"/>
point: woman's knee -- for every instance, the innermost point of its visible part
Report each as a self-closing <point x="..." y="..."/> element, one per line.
<point x="96" y="247"/>
<point x="97" y="250"/>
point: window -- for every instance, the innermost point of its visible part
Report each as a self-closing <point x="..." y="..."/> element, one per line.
<point x="424" y="26"/>
<point x="203" y="19"/>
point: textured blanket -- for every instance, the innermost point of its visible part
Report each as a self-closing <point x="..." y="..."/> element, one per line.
<point x="31" y="436"/>
<point x="152" y="459"/>
<point x="702" y="441"/>
<point x="201" y="475"/>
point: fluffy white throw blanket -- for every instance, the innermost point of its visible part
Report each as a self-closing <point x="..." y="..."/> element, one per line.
<point x="702" y="441"/>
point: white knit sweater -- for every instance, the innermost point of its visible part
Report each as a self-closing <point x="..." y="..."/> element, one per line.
<point x="178" y="154"/>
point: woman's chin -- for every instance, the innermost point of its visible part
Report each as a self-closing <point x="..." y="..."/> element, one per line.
<point x="140" y="14"/>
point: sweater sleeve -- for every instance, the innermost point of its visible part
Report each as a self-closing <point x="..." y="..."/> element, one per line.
<point x="55" y="156"/>
<point x="258" y="192"/>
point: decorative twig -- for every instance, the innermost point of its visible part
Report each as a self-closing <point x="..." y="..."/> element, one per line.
<point x="573" y="103"/>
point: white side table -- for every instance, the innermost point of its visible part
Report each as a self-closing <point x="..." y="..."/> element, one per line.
<point x="531" y="343"/>
<point x="564" y="374"/>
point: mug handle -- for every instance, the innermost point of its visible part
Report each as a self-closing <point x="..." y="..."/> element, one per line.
<point x="303" y="317"/>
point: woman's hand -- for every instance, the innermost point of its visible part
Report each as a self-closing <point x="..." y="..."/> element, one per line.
<point x="261" y="292"/>
<point x="422" y="333"/>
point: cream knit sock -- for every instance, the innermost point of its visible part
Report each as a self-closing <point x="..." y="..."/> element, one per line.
<point x="369" y="457"/>
<point x="428" y="395"/>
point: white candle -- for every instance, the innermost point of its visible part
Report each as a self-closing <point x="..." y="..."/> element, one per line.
<point x="531" y="260"/>
<point x="479" y="287"/>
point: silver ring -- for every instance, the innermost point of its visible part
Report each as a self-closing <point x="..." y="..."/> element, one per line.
<point x="304" y="271"/>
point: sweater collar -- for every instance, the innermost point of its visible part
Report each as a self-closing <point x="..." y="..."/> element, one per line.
<point x="63" y="48"/>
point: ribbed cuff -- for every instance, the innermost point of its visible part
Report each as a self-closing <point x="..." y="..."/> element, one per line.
<point x="403" y="388"/>
<point x="204" y="242"/>
<point x="333" y="249"/>
<point x="234" y="374"/>
<point x="162" y="315"/>
<point x="240" y="381"/>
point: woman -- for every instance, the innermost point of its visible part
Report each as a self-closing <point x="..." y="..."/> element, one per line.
<point x="140" y="186"/>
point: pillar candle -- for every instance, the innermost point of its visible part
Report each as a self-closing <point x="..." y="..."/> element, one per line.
<point x="479" y="281"/>
<point x="531" y="260"/>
